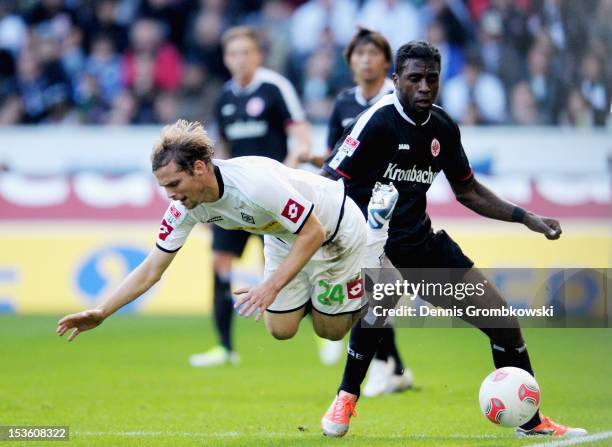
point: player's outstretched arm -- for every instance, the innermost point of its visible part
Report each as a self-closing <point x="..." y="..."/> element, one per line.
<point x="135" y="284"/>
<point x="258" y="298"/>
<point x="480" y="199"/>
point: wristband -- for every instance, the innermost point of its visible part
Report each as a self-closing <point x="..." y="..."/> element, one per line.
<point x="518" y="214"/>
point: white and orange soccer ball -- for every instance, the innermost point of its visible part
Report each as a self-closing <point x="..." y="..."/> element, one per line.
<point x="509" y="396"/>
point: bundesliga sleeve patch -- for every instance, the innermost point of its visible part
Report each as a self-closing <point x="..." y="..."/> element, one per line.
<point x="349" y="145"/>
<point x="176" y="213"/>
<point x="293" y="211"/>
<point x="165" y="229"/>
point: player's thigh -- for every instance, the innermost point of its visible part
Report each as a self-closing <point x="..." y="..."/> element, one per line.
<point x="284" y="314"/>
<point x="337" y="283"/>
<point x="334" y="327"/>
<point x="437" y="261"/>
<point x="284" y="325"/>
<point x="441" y="259"/>
<point x="438" y="250"/>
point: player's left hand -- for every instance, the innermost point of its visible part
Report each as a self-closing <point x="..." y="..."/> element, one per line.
<point x="255" y="299"/>
<point x="547" y="225"/>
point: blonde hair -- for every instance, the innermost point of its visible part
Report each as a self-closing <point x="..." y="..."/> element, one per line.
<point x="184" y="142"/>
<point x="238" y="32"/>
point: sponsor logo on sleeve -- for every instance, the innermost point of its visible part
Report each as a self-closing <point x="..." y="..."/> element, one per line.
<point x="349" y="145"/>
<point x="354" y="288"/>
<point x="293" y="211"/>
<point x="215" y="219"/>
<point x="165" y="229"/>
<point x="435" y="147"/>
<point x="176" y="213"/>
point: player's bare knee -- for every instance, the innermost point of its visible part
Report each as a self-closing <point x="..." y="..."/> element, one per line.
<point x="333" y="333"/>
<point x="284" y="333"/>
<point x="331" y="327"/>
<point x="283" y="326"/>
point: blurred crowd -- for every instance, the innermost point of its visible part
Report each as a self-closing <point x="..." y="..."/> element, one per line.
<point x="524" y="62"/>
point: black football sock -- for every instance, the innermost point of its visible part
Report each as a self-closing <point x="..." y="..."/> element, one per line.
<point x="519" y="358"/>
<point x="382" y="353"/>
<point x="389" y="340"/>
<point x="533" y="422"/>
<point x="224" y="310"/>
<point x="387" y="348"/>
<point x="511" y="356"/>
<point x="363" y="344"/>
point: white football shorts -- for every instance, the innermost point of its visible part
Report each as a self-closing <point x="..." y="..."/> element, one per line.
<point x="332" y="279"/>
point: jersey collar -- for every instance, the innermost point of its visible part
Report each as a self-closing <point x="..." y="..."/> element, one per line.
<point x="219" y="181"/>
<point x="400" y="109"/>
<point x="386" y="88"/>
<point x="250" y="87"/>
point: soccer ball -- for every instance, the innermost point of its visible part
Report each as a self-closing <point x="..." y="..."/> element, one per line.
<point x="509" y="396"/>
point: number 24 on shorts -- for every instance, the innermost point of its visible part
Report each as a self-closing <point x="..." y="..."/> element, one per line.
<point x="331" y="294"/>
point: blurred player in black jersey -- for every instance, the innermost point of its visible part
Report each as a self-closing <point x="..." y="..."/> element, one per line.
<point x="369" y="57"/>
<point x="407" y="140"/>
<point x="257" y="111"/>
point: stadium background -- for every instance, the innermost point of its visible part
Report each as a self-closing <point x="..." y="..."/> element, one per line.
<point x="85" y="86"/>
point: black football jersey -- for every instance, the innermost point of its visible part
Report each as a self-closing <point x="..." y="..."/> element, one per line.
<point x="384" y="144"/>
<point x="253" y="119"/>
<point x="348" y="105"/>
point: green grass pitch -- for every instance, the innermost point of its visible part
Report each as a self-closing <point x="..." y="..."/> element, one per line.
<point x="128" y="383"/>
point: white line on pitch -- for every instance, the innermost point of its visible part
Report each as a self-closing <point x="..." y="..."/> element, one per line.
<point x="575" y="441"/>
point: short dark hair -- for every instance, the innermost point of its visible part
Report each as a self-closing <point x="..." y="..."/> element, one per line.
<point x="184" y="143"/>
<point x="363" y="36"/>
<point x="416" y="49"/>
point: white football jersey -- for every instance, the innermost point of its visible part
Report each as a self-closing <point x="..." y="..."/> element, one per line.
<point x="261" y="196"/>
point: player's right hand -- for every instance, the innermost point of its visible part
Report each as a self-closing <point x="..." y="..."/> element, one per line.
<point x="81" y="321"/>
<point x="550" y="227"/>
